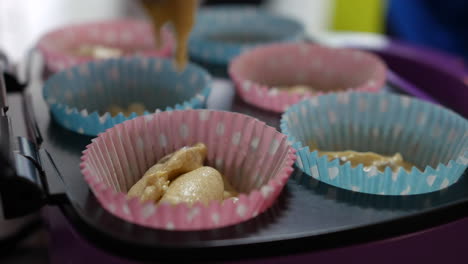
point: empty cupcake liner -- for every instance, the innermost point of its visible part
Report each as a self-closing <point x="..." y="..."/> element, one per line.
<point x="255" y="158"/>
<point x="57" y="46"/>
<point x="257" y="72"/>
<point x="430" y="136"/>
<point x="222" y="33"/>
<point x="79" y="98"/>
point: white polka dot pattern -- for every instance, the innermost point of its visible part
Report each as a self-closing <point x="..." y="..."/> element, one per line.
<point x="140" y="144"/>
<point x="215" y="218"/>
<point x="241" y="210"/>
<point x="163" y="140"/>
<point x="153" y="138"/>
<point x="203" y="115"/>
<point x="444" y="183"/>
<point x="301" y="63"/>
<point x="184" y="131"/>
<point x="254" y="142"/>
<point x="170" y="226"/>
<point x="220" y="129"/>
<point x="406" y="191"/>
<point x="333" y="173"/>
<point x="385" y="124"/>
<point x="148" y="210"/>
<point x="405" y="101"/>
<point x="236" y="138"/>
<point x="314" y="171"/>
<point x="372" y="172"/>
<point x="193" y="213"/>
<point x="274" y="146"/>
<point x="430" y="179"/>
<point x="246" y="86"/>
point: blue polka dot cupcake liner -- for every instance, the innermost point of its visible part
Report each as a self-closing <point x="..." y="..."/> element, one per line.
<point x="431" y="137"/>
<point x="81" y="96"/>
<point x="222" y="33"/>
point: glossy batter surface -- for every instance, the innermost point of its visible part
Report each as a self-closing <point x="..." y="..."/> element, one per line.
<point x="181" y="177"/>
<point x="201" y="185"/>
<point x="98" y="51"/>
<point x="137" y="108"/>
<point x="296" y="89"/>
<point x="369" y="159"/>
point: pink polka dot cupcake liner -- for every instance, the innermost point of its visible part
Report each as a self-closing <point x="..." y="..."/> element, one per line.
<point x="259" y="72"/>
<point x="58" y="47"/>
<point x="254" y="157"/>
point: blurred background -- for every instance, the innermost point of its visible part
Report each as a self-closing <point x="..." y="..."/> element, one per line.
<point x="432" y="23"/>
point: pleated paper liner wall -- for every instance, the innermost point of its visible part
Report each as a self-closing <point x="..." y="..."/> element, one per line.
<point x="60" y="47"/>
<point x="254" y="157"/>
<point x="259" y="73"/>
<point x="79" y="98"/>
<point x="433" y="138"/>
<point x="221" y="33"/>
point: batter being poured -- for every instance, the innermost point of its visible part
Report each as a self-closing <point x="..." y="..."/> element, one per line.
<point x="181" y="13"/>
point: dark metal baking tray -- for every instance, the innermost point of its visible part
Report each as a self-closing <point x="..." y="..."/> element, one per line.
<point x="307" y="216"/>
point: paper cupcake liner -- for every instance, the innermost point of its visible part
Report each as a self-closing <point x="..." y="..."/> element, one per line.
<point x="57" y="46"/>
<point x="254" y="157"/>
<point x="429" y="136"/>
<point x="212" y="38"/>
<point x="286" y="64"/>
<point x="383" y="202"/>
<point x="79" y="97"/>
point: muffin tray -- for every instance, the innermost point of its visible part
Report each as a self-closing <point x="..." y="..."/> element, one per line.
<point x="307" y="216"/>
